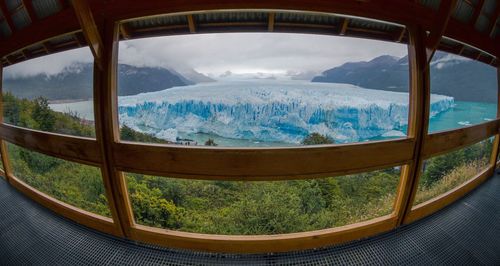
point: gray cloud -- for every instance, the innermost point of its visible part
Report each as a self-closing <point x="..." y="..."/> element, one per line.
<point x="50" y="64"/>
<point x="279" y="53"/>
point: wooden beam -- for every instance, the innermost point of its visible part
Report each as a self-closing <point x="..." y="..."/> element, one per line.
<point x="28" y="4"/>
<point x="343" y="28"/>
<point x="401" y="35"/>
<point x="191" y="23"/>
<point x="496" y="143"/>
<point x="263" y="243"/>
<point x="63" y="4"/>
<point x="125" y="31"/>
<point x="17" y="9"/>
<point x="431" y="206"/>
<point x="80" y="38"/>
<point x="444" y="13"/>
<point x="47" y="47"/>
<point x="418" y="122"/>
<point x="493" y="21"/>
<point x="86" y="218"/>
<point x="7" y="16"/>
<point x="3" y="147"/>
<point x="477" y="13"/>
<point x="40" y="31"/>
<point x="72" y="148"/>
<point x="89" y="28"/>
<point x="219" y="163"/>
<point x="450" y="140"/>
<point x="270" y="21"/>
<point x="107" y="128"/>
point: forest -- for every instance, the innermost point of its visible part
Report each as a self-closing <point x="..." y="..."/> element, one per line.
<point x="225" y="207"/>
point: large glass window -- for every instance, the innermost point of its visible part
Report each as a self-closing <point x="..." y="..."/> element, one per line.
<point x="261" y="89"/>
<point x="73" y="183"/>
<point x="258" y="207"/>
<point x="446" y="172"/>
<point x="52" y="93"/>
<point x="467" y="90"/>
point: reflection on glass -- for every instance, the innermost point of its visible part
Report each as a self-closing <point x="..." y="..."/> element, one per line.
<point x="262" y="89"/>
<point x="77" y="184"/>
<point x="446" y="172"/>
<point x="470" y="88"/>
<point x="256" y="207"/>
<point x="37" y="93"/>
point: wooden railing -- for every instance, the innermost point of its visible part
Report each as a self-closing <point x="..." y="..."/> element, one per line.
<point x="113" y="156"/>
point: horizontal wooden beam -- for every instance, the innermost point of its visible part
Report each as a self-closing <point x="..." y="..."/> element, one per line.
<point x="451" y="140"/>
<point x="263" y="243"/>
<point x="77" y="149"/>
<point x="429" y="207"/>
<point x="261" y="163"/>
<point x="86" y="218"/>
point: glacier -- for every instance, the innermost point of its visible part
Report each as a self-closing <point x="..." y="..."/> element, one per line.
<point x="278" y="111"/>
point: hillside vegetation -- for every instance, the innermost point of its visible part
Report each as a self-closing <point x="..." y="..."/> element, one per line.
<point x="220" y="207"/>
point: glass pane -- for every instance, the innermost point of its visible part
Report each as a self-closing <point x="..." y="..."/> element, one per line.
<point x="261" y="89"/>
<point x="257" y="207"/>
<point x="446" y="172"/>
<point x="77" y="184"/>
<point x="51" y="93"/>
<point x="469" y="90"/>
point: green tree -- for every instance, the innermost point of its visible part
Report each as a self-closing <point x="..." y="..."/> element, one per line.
<point x="316" y="138"/>
<point x="11" y="109"/>
<point x="43" y="115"/>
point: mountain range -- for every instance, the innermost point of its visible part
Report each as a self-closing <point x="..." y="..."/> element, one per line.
<point x="451" y="75"/>
<point x="75" y="82"/>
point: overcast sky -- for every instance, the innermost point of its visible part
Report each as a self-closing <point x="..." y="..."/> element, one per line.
<point x="237" y="52"/>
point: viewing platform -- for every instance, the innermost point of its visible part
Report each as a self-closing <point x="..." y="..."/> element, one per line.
<point x="465" y="233"/>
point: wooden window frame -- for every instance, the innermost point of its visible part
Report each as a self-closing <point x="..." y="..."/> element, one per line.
<point x="250" y="164"/>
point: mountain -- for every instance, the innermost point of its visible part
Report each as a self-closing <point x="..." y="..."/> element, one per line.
<point x="193" y="76"/>
<point x="451" y="75"/>
<point x="75" y="82"/>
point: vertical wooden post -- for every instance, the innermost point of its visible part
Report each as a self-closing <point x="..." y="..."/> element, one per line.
<point x="107" y="128"/>
<point x="3" y="147"/>
<point x="418" y="119"/>
<point x="103" y="42"/>
<point x="496" y="143"/>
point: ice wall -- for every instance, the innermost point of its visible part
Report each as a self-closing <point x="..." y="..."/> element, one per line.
<point x="271" y="111"/>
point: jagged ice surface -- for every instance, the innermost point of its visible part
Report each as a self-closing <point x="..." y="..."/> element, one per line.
<point x="272" y="111"/>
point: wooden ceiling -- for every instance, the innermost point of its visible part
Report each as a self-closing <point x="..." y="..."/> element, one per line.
<point x="32" y="28"/>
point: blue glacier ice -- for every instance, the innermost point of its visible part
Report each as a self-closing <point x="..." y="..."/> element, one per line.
<point x="282" y="111"/>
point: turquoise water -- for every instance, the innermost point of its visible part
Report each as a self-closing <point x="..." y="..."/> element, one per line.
<point x="461" y="115"/>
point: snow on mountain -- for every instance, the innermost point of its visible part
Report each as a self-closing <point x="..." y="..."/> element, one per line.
<point x="272" y="111"/>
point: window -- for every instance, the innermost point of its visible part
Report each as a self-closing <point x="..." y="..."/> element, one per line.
<point x="73" y="183"/>
<point x="446" y="172"/>
<point x="51" y="93"/>
<point x="261" y="207"/>
<point x="261" y="89"/>
<point x="466" y="88"/>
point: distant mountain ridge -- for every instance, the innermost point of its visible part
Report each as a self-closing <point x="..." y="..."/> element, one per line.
<point x="75" y="82"/>
<point x="451" y="75"/>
